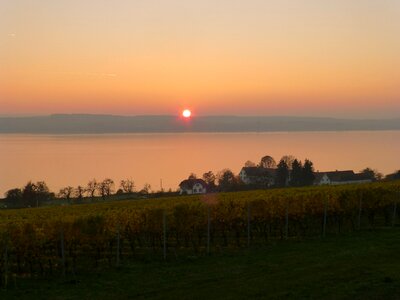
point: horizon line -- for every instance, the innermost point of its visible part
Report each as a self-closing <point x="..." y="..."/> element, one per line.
<point x="193" y="116"/>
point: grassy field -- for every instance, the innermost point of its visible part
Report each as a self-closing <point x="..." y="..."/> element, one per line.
<point x="361" y="265"/>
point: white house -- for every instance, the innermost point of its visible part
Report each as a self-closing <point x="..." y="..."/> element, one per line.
<point x="193" y="186"/>
<point x="341" y="177"/>
<point x="258" y="176"/>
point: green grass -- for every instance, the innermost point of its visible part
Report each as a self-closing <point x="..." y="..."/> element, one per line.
<point x="363" y="265"/>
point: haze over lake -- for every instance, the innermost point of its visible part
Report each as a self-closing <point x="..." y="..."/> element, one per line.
<point x="63" y="160"/>
<point x="83" y="123"/>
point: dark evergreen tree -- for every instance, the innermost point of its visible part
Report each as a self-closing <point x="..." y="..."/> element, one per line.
<point x="288" y="159"/>
<point x="296" y="176"/>
<point x="282" y="174"/>
<point x="308" y="173"/>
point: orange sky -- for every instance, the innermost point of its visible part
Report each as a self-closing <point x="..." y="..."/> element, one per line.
<point x="306" y="57"/>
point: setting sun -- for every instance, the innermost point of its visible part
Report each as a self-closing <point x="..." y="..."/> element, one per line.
<point x="186" y="113"/>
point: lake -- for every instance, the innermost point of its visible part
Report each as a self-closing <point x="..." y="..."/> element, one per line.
<point x="166" y="159"/>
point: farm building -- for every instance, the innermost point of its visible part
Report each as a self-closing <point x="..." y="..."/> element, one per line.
<point x="341" y="177"/>
<point x="192" y="186"/>
<point x="258" y="176"/>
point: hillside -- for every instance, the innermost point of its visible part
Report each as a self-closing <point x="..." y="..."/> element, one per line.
<point x="362" y="265"/>
<point x="91" y="124"/>
<point x="264" y="244"/>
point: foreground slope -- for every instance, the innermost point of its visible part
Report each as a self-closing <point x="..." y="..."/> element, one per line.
<point x="361" y="265"/>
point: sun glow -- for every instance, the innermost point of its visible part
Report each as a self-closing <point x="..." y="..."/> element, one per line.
<point x="186" y="113"/>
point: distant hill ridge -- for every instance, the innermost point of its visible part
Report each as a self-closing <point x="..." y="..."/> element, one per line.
<point x="94" y="124"/>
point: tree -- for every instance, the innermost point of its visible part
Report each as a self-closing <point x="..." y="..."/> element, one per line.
<point x="91" y="188"/>
<point x="308" y="173"/>
<point x="226" y="180"/>
<point x="288" y="159"/>
<point x="79" y="192"/>
<point x="372" y="173"/>
<point x="127" y="186"/>
<point x="282" y="174"/>
<point x="296" y="176"/>
<point x="267" y="162"/>
<point x="29" y="195"/>
<point x="249" y="163"/>
<point x="33" y="194"/>
<point x="106" y="188"/>
<point x="14" y="197"/>
<point x="146" y="189"/>
<point x="66" y="193"/>
<point x="192" y="176"/>
<point x="119" y="192"/>
<point x="209" y="178"/>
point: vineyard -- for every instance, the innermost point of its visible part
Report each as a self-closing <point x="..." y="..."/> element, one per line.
<point x="62" y="240"/>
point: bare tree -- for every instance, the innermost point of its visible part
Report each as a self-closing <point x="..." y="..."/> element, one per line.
<point x="268" y="162"/>
<point x="209" y="178"/>
<point x="91" y="188"/>
<point x="66" y="193"/>
<point x="127" y="186"/>
<point x="79" y="192"/>
<point x="106" y="187"/>
<point x="146" y="189"/>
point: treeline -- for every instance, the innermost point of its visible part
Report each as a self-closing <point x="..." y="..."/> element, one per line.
<point x="288" y="172"/>
<point x="35" y="194"/>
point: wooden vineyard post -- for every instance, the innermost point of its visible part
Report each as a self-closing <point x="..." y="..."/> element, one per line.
<point x="325" y="215"/>
<point x="394" y="212"/>
<point x="6" y="267"/>
<point x="208" y="228"/>
<point x="287" y="220"/>
<point x="62" y="252"/>
<point x="118" y="247"/>
<point x="165" y="235"/>
<point x="359" y="214"/>
<point x="248" y="225"/>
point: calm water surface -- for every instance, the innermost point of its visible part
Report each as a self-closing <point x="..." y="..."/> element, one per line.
<point x="63" y="160"/>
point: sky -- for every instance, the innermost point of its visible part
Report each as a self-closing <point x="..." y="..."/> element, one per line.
<point x="217" y="57"/>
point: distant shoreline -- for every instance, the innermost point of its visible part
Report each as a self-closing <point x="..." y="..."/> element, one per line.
<point x="190" y="133"/>
<point x="111" y="124"/>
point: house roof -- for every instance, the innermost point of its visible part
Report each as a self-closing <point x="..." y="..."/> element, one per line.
<point x="393" y="176"/>
<point x="189" y="183"/>
<point x="259" y="171"/>
<point x="343" y="176"/>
